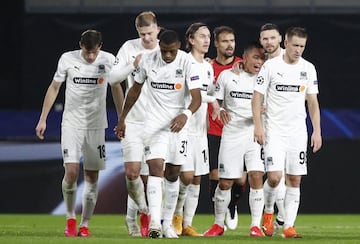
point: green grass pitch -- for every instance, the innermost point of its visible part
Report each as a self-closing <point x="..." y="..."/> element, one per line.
<point x="48" y="229"/>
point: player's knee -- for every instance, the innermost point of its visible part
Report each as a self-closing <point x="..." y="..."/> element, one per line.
<point x="225" y="184"/>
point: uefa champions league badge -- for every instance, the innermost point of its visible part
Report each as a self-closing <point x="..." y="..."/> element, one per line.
<point x="260" y="80"/>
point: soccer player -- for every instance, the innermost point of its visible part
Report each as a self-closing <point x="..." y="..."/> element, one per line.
<point x="270" y="38"/>
<point x="166" y="74"/>
<point x="288" y="82"/>
<point x="197" y="42"/>
<point x="129" y="57"/>
<point x="224" y="41"/>
<point x="86" y="73"/>
<point x="237" y="147"/>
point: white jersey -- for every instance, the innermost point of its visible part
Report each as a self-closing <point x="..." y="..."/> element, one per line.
<point x="286" y="86"/>
<point x="86" y="88"/>
<point x="236" y="92"/>
<point x="168" y="85"/>
<point x="124" y="70"/>
<point x="203" y="72"/>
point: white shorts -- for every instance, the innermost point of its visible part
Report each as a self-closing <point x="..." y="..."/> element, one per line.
<point x="166" y="145"/>
<point x="233" y="154"/>
<point x="132" y="145"/>
<point x="286" y="154"/>
<point x="87" y="143"/>
<point x="198" y="155"/>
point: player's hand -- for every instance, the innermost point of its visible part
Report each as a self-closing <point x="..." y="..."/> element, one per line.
<point x="40" y="129"/>
<point x="237" y="67"/>
<point x="216" y="110"/>
<point x="120" y="130"/>
<point x="316" y="141"/>
<point x="178" y="123"/>
<point x="225" y="117"/>
<point x="137" y="60"/>
<point x="259" y="135"/>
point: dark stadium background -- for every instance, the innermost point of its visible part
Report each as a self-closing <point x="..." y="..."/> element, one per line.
<point x="32" y="42"/>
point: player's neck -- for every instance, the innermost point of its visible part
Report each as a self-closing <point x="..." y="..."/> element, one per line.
<point x="221" y="59"/>
<point x="274" y="54"/>
<point x="198" y="56"/>
<point x="287" y="59"/>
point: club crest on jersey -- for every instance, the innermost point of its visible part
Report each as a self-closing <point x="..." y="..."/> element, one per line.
<point x="101" y="68"/>
<point x="208" y="74"/>
<point x="179" y="73"/>
<point x="260" y="80"/>
<point x="303" y="75"/>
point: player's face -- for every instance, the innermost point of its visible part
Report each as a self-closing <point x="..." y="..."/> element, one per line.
<point x="225" y="44"/>
<point x="148" y="35"/>
<point x="169" y="52"/>
<point x="270" y="40"/>
<point x="201" y="40"/>
<point x="295" y="47"/>
<point x="90" y="55"/>
<point x="253" y="60"/>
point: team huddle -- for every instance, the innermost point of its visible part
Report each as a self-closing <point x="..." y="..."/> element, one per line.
<point x="184" y="116"/>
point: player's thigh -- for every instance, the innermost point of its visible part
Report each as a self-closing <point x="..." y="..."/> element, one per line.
<point x="156" y="144"/>
<point x="253" y="157"/>
<point x="296" y="159"/>
<point x="178" y="147"/>
<point x="132" y="145"/>
<point x="198" y="155"/>
<point x="275" y="153"/>
<point x="71" y="144"/>
<point x="94" y="150"/>
<point x="231" y="159"/>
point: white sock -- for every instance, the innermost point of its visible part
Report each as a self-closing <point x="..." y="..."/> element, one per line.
<point x="269" y="197"/>
<point x="183" y="192"/>
<point x="222" y="200"/>
<point x="89" y="198"/>
<point x="256" y="203"/>
<point x="280" y="196"/>
<point x="191" y="204"/>
<point x="170" y="200"/>
<point x="291" y="203"/>
<point x="155" y="195"/>
<point x="131" y="209"/>
<point x="69" y="194"/>
<point x="136" y="192"/>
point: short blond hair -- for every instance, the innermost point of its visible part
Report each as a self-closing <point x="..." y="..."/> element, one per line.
<point x="146" y="18"/>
